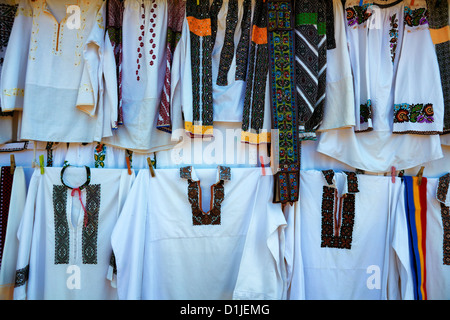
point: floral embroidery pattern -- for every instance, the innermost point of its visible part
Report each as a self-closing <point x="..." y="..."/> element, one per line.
<point x="358" y="14"/>
<point x="100" y="155"/>
<point x="284" y="109"/>
<point x="415" y="18"/>
<point x="393" y="34"/>
<point x="415" y="113"/>
<point x="365" y="111"/>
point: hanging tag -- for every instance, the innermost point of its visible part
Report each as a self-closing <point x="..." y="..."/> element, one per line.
<point x="150" y="166"/>
<point x="41" y="163"/>
<point x="13" y="163"/>
<point x="393" y="174"/>
<point x="420" y="174"/>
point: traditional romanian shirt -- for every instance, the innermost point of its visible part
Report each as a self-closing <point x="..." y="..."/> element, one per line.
<point x="398" y="117"/>
<point x="200" y="234"/>
<point x="54" y="71"/>
<point x="427" y="210"/>
<point x="143" y="68"/>
<point x="341" y="215"/>
<point x="64" y="236"/>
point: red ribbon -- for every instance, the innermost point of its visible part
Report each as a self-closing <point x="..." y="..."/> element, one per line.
<point x="81" y="201"/>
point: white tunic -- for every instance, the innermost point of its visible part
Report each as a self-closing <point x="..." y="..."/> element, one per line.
<point x="162" y="252"/>
<point x="144" y="32"/>
<point x="366" y="256"/>
<point x="54" y="71"/>
<point x="394" y="125"/>
<point x="61" y="254"/>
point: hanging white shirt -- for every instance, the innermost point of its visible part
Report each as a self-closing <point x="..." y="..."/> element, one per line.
<point x="165" y="251"/>
<point x="144" y="33"/>
<point x="366" y="256"/>
<point x="53" y="71"/>
<point x="63" y="254"/>
<point x="380" y="42"/>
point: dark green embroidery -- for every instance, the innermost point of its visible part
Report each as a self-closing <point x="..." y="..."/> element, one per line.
<point x="365" y="112"/>
<point x="21" y="276"/>
<point x="90" y="229"/>
<point x="62" y="237"/>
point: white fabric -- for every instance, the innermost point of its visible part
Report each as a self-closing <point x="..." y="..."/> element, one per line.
<point x="377" y="78"/>
<point x="378" y="255"/>
<point x="438" y="274"/>
<point x="11" y="245"/>
<point x="445" y="139"/>
<point x="339" y="111"/>
<point x="141" y="98"/>
<point x="36" y="235"/>
<point x="54" y="72"/>
<point x="160" y="254"/>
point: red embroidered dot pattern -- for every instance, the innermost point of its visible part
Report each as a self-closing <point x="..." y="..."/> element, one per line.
<point x="152" y="31"/>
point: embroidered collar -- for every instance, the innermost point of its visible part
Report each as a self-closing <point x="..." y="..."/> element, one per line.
<point x="213" y="216"/>
<point x="84" y="185"/>
<point x="345" y="184"/>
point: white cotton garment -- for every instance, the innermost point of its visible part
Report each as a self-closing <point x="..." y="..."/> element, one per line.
<point x="339" y="111"/>
<point x="11" y="245"/>
<point x="53" y="71"/>
<point x="353" y="249"/>
<point x="144" y="35"/>
<point x="63" y="253"/>
<point x="398" y="113"/>
<point x="161" y="254"/>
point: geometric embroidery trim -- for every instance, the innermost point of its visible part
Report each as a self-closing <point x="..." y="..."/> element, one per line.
<point x="90" y="228"/>
<point x="338" y="216"/>
<point x="227" y="53"/>
<point x="445" y="214"/>
<point x="62" y="240"/>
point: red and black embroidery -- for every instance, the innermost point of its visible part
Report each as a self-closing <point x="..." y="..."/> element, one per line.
<point x="442" y="192"/>
<point x="90" y="228"/>
<point x="338" y="213"/>
<point x="213" y="216"/>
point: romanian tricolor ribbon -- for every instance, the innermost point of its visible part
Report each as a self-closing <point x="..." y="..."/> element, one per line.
<point x="416" y="214"/>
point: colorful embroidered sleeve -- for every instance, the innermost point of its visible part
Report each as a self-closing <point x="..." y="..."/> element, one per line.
<point x="12" y="86"/>
<point x="418" y="100"/>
